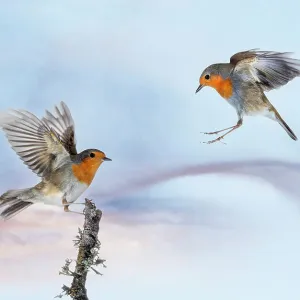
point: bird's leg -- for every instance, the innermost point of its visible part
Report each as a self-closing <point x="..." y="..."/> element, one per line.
<point x="218" y="131"/>
<point x="238" y="124"/>
<point x="66" y="205"/>
<point x="65" y="202"/>
<point x="66" y="209"/>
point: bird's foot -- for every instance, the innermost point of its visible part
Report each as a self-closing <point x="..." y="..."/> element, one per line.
<point x="66" y="209"/>
<point x="228" y="129"/>
<point x="66" y="205"/>
<point x="65" y="202"/>
<point x="215" y="140"/>
<point x="214" y="132"/>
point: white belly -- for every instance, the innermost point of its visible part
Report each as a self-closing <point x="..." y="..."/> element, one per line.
<point x="71" y="195"/>
<point x="76" y="191"/>
<point x="53" y="199"/>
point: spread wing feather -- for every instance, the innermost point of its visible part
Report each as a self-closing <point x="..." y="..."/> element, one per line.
<point x="41" y="144"/>
<point x="64" y="126"/>
<point x="270" y="69"/>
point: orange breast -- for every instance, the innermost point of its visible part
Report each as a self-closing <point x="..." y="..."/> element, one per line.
<point x="222" y="86"/>
<point x="85" y="171"/>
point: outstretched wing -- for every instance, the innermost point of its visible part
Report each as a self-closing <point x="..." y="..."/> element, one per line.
<point x="40" y="146"/>
<point x="63" y="125"/>
<point x="270" y="69"/>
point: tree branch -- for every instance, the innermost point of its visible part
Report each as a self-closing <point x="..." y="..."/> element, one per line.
<point x="88" y="254"/>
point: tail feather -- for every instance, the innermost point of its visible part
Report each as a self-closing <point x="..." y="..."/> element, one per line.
<point x="14" y="209"/>
<point x="274" y="115"/>
<point x="13" y="202"/>
<point x="285" y="127"/>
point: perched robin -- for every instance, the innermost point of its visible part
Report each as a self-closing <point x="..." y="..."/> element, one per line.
<point x="48" y="148"/>
<point x="245" y="79"/>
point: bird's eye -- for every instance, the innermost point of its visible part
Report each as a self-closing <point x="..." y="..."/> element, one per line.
<point x="92" y="154"/>
<point x="207" y="76"/>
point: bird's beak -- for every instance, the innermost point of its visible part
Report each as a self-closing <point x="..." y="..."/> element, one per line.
<point x="106" y="159"/>
<point x="199" y="88"/>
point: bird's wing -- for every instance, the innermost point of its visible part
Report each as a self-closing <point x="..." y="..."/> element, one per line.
<point x="64" y="126"/>
<point x="270" y="69"/>
<point x="41" y="147"/>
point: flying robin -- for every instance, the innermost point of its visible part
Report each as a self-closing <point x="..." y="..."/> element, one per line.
<point x="48" y="147"/>
<point x="245" y="79"/>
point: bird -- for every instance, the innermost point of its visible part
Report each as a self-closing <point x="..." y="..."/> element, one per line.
<point x="48" y="147"/>
<point x="244" y="80"/>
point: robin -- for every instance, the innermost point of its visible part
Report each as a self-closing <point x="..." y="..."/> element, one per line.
<point x="245" y="79"/>
<point x="48" y="147"/>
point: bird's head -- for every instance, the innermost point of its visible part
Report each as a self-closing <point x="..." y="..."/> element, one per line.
<point x="87" y="163"/>
<point x="93" y="157"/>
<point x="217" y="77"/>
<point x="209" y="77"/>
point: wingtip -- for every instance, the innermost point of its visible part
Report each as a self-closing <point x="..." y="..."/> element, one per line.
<point x="7" y="117"/>
<point x="62" y="103"/>
<point x="64" y="106"/>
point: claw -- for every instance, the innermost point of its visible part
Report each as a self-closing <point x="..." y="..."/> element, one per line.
<point x="215" y="140"/>
<point x="215" y="132"/>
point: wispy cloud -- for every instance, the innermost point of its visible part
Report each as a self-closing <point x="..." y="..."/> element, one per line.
<point x="281" y="174"/>
<point x="46" y="222"/>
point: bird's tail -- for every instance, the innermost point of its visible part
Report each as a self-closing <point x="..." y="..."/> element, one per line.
<point x="14" y="201"/>
<point x="285" y="126"/>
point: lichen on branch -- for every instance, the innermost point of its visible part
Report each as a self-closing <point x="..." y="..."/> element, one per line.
<point x="88" y="258"/>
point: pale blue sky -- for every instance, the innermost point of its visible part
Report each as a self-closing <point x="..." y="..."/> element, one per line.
<point x="128" y="70"/>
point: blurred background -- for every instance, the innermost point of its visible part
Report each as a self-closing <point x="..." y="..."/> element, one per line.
<point x="181" y="219"/>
